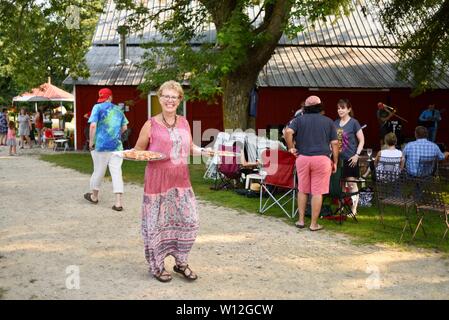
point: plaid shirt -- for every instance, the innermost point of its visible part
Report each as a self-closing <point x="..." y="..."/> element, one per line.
<point x="417" y="149"/>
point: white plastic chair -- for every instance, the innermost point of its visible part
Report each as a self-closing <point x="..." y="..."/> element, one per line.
<point x="60" y="142"/>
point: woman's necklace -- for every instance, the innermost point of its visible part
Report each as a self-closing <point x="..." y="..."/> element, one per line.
<point x="170" y="126"/>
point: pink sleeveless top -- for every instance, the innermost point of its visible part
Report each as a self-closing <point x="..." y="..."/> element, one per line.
<point x="11" y="134"/>
<point x="173" y="171"/>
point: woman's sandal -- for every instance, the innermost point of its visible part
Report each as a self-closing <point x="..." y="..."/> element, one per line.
<point x="88" y="197"/>
<point x="186" y="272"/>
<point x="163" y="276"/>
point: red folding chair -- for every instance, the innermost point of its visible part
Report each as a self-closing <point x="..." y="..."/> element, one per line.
<point x="228" y="168"/>
<point x="279" y="182"/>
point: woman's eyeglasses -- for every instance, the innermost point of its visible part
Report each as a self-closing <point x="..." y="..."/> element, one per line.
<point x="166" y="97"/>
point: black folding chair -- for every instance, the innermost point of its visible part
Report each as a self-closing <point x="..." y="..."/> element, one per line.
<point x="430" y="198"/>
<point x="443" y="173"/>
<point x="339" y="192"/>
<point x="388" y="164"/>
<point x="394" y="188"/>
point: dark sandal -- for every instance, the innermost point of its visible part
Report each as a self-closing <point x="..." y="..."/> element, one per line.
<point x="117" y="208"/>
<point x="163" y="276"/>
<point x="182" y="270"/>
<point x="88" y="197"/>
<point x="300" y="226"/>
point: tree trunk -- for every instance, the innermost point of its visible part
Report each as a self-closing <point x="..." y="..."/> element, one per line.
<point x="237" y="85"/>
<point x="236" y="97"/>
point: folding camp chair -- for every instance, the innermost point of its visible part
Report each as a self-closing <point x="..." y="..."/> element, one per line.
<point x="212" y="163"/>
<point x="251" y="147"/>
<point x="340" y="193"/>
<point x="239" y="137"/>
<point x="228" y="168"/>
<point x="280" y="176"/>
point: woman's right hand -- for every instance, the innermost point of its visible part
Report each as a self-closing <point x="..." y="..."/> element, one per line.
<point x="293" y="151"/>
<point x="353" y="160"/>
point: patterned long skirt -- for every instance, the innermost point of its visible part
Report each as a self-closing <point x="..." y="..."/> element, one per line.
<point x="169" y="226"/>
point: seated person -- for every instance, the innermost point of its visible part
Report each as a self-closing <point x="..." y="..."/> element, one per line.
<point x="47" y="136"/>
<point x="390" y="152"/>
<point x="422" y="147"/>
<point x="245" y="166"/>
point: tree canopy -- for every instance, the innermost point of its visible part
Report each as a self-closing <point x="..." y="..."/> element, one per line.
<point x="228" y="65"/>
<point x="422" y="29"/>
<point x="40" y="39"/>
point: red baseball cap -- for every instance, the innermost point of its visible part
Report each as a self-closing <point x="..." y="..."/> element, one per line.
<point x="104" y="94"/>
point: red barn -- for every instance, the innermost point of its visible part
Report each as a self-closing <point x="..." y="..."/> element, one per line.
<point x="350" y="58"/>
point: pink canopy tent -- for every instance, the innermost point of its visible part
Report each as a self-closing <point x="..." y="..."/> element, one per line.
<point x="45" y="92"/>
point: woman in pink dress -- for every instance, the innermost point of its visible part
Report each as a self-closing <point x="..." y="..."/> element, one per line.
<point x="169" y="216"/>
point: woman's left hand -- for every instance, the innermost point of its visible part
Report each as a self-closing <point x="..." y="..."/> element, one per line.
<point x="353" y="160"/>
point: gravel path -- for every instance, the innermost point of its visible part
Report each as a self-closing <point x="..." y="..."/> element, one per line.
<point x="49" y="234"/>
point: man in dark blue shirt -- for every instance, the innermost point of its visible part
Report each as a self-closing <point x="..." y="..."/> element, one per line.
<point x="429" y="118"/>
<point x="315" y="136"/>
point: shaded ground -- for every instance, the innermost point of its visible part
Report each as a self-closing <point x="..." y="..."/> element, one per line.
<point x="48" y="233"/>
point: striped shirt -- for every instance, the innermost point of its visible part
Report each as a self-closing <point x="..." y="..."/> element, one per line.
<point x="415" y="150"/>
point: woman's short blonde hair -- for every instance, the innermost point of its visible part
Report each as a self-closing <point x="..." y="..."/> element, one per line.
<point x="391" y="139"/>
<point x="171" y="85"/>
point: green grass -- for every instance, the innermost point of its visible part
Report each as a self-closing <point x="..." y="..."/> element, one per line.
<point x="3" y="291"/>
<point x="367" y="231"/>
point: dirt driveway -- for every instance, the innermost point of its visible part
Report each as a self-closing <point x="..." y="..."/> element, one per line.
<point x="55" y="245"/>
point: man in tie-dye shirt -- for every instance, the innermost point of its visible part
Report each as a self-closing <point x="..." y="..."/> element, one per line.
<point x="107" y="123"/>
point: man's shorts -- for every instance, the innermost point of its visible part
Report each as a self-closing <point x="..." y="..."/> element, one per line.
<point x="314" y="174"/>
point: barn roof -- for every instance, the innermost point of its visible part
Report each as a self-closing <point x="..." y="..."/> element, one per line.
<point x="333" y="67"/>
<point x="350" y="52"/>
<point x="361" y="28"/>
<point x="104" y="70"/>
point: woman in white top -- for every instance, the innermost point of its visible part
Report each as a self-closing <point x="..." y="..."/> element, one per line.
<point x="24" y="127"/>
<point x="390" y="152"/>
